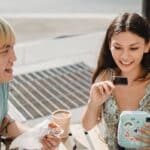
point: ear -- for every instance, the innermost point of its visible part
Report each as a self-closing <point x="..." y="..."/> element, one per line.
<point x="147" y="48"/>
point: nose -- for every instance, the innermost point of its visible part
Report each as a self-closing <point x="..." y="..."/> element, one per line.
<point x="12" y="56"/>
<point x="124" y="56"/>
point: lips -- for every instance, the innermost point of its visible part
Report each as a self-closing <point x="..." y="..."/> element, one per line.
<point x="126" y="63"/>
<point x="8" y="70"/>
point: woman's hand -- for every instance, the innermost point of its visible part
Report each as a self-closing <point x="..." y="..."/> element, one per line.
<point x="145" y="136"/>
<point x="100" y="91"/>
<point x="50" y="142"/>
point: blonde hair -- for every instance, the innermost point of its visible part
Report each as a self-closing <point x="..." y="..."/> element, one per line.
<point x="7" y="34"/>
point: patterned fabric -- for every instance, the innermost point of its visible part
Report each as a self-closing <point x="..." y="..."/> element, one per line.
<point x="111" y="115"/>
<point x="3" y="100"/>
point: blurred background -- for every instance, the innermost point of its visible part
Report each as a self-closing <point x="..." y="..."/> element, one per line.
<point x="57" y="46"/>
<point x="38" y="19"/>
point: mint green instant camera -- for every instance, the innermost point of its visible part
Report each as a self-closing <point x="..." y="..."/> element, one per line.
<point x="129" y="123"/>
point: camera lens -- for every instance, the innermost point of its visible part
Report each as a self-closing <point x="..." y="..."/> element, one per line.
<point x="148" y="119"/>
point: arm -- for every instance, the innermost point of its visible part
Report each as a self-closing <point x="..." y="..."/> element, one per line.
<point x="91" y="116"/>
<point x="48" y="142"/>
<point x="98" y="95"/>
<point x="11" y="129"/>
<point x="15" y="129"/>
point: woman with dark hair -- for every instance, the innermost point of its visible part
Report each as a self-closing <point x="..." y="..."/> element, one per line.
<point x="125" y="52"/>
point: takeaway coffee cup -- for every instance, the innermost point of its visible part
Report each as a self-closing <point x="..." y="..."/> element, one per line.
<point x="62" y="117"/>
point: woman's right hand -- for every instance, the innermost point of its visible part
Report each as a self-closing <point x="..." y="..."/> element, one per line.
<point x="100" y="91"/>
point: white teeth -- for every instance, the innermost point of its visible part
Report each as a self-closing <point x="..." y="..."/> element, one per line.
<point x="126" y="63"/>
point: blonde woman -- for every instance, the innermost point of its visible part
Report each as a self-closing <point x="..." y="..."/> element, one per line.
<point x="10" y="128"/>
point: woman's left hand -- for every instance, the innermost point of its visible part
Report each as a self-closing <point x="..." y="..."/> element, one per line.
<point x="145" y="135"/>
<point x="50" y="142"/>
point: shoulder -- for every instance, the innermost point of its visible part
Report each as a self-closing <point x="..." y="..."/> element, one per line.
<point x="106" y="74"/>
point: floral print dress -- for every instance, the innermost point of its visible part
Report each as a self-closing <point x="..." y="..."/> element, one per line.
<point x="111" y="115"/>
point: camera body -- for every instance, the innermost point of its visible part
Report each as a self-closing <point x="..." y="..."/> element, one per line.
<point x="128" y="128"/>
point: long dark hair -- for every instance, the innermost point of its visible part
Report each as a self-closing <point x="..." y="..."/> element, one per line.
<point x="126" y="22"/>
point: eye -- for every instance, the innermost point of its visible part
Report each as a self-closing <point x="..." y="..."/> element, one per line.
<point x="117" y="47"/>
<point x="134" y="48"/>
<point x="5" y="51"/>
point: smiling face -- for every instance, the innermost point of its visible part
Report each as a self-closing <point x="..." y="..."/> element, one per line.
<point x="7" y="54"/>
<point x="127" y="51"/>
<point x="7" y="58"/>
